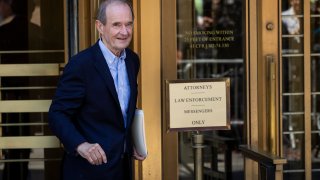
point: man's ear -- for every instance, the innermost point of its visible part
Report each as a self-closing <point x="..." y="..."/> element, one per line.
<point x="99" y="26"/>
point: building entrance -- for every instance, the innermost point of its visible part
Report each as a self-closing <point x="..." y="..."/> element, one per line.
<point x="32" y="52"/>
<point x="270" y="51"/>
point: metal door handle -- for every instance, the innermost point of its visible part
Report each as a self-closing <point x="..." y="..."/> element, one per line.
<point x="271" y="104"/>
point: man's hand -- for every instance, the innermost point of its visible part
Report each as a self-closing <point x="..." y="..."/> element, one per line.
<point x="138" y="156"/>
<point x="92" y="152"/>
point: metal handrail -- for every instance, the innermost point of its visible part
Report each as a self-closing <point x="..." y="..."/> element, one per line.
<point x="269" y="164"/>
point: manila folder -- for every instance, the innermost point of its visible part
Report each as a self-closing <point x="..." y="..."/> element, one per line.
<point x="138" y="133"/>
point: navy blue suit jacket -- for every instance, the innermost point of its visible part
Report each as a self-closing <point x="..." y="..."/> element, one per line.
<point x="86" y="108"/>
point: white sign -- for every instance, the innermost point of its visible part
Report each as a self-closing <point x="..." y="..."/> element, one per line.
<point x="198" y="105"/>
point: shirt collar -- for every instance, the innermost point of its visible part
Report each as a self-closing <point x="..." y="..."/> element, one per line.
<point x="288" y="12"/>
<point x="108" y="55"/>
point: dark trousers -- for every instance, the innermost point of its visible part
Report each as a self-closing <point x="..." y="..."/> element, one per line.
<point x="127" y="165"/>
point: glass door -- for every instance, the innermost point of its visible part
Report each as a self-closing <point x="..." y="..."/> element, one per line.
<point x="209" y="38"/>
<point x="300" y="88"/>
<point x="270" y="50"/>
<point x="315" y="86"/>
<point x="32" y="52"/>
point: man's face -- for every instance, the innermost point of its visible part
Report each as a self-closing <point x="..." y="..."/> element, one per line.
<point x="117" y="32"/>
<point x="296" y="5"/>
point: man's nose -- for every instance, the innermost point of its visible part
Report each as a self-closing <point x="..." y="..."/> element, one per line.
<point x="124" y="29"/>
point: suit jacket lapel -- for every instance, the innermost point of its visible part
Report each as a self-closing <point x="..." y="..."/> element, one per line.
<point x="103" y="69"/>
<point x="132" y="82"/>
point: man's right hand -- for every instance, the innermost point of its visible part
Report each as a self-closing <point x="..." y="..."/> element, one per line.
<point x="93" y="153"/>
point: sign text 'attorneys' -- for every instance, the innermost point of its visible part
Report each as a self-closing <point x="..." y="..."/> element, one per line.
<point x="194" y="105"/>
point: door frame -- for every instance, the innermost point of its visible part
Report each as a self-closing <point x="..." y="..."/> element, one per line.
<point x="260" y="43"/>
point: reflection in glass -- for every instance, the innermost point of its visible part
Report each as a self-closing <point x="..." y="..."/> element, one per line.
<point x="292" y="74"/>
<point x="292" y="123"/>
<point x="292" y="44"/>
<point x="315" y="139"/>
<point x="292" y="27"/>
<point x="292" y="85"/>
<point x="315" y="7"/>
<point x="294" y="153"/>
<point x="315" y="35"/>
<point x="31" y="32"/>
<point x="315" y="87"/>
<point x="290" y="17"/>
<point x="209" y="45"/>
<point x="293" y="89"/>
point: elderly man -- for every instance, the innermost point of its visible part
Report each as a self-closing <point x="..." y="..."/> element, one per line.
<point x="95" y="101"/>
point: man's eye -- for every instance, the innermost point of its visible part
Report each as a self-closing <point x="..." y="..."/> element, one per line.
<point x="129" y="25"/>
<point x="120" y="26"/>
<point x="117" y="25"/>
